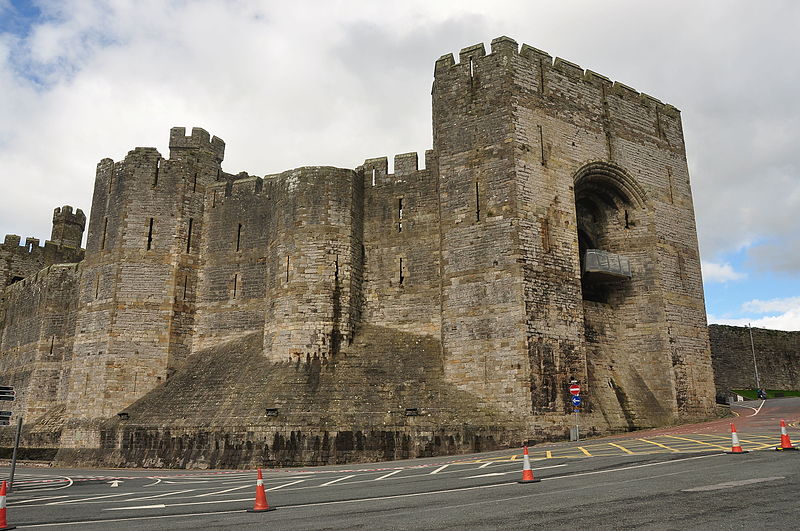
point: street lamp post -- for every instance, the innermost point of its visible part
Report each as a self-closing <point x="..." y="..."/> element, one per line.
<point x="753" y="349"/>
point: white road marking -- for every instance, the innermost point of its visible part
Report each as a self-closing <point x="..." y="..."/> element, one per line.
<point x="440" y="469"/>
<point x="755" y="411"/>
<point x="222" y="491"/>
<point x="388" y="475"/>
<point x="91" y="498"/>
<point x="156" y="482"/>
<point x="487" y="463"/>
<point x="511" y="472"/>
<point x="732" y="484"/>
<point x="160" y="495"/>
<point x="115" y="483"/>
<point x="337" y="480"/>
<point x="288" y="484"/>
<point x="159" y="506"/>
<point x="36" y="500"/>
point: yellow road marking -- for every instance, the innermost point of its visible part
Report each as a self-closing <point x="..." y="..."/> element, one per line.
<point x="661" y="445"/>
<point x="584" y="450"/>
<point x="514" y="457"/>
<point x="695" y="441"/>
<point x="549" y="454"/>
<point x="621" y="448"/>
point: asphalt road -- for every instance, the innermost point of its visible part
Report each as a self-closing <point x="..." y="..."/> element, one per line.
<point x="674" y="478"/>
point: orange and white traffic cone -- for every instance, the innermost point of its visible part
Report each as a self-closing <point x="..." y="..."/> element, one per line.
<point x="527" y="473"/>
<point x="3" y="523"/>
<point x="786" y="443"/>
<point x="261" y="504"/>
<point x="736" y="448"/>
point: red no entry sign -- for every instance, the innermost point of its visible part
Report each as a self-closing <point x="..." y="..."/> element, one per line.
<point x="575" y="389"/>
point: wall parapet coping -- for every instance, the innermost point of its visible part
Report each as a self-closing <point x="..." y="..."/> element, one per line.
<point x="507" y="46"/>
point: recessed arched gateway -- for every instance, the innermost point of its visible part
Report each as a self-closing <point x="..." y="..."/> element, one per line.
<point x="609" y="207"/>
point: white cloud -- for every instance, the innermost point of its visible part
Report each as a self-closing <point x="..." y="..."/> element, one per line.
<point x="772" y="306"/>
<point x="716" y="272"/>
<point x="789" y="321"/>
<point x="787" y="318"/>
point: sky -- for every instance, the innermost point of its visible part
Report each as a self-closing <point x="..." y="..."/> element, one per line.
<point x="289" y="84"/>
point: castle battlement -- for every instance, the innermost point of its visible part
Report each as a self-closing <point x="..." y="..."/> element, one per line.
<point x="198" y="139"/>
<point x="472" y="58"/>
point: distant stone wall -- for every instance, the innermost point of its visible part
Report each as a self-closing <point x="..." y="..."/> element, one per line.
<point x="777" y="358"/>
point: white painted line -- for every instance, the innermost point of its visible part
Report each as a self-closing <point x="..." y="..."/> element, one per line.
<point x="732" y="484"/>
<point x="108" y="520"/>
<point x="487" y="463"/>
<point x="511" y="472"/>
<point x="159" y="506"/>
<point x="221" y="491"/>
<point x="12" y="504"/>
<point x="387" y="475"/>
<point x="440" y="469"/>
<point x="337" y="480"/>
<point x="160" y="495"/>
<point x="156" y="482"/>
<point x="91" y="498"/>
<point x="288" y="484"/>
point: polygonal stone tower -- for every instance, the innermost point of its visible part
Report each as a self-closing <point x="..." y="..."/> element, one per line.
<point x="568" y="241"/>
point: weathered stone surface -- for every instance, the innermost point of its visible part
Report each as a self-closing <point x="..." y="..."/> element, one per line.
<point x="777" y="356"/>
<point x="205" y="297"/>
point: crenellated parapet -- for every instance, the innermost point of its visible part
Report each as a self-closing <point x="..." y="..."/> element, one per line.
<point x="563" y="82"/>
<point x="198" y="140"/>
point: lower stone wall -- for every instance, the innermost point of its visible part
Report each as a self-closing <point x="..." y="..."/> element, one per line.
<point x="777" y="355"/>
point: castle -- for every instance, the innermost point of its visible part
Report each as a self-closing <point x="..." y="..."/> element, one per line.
<point x="326" y="314"/>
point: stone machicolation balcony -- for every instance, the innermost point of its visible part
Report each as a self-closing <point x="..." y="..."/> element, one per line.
<point x="602" y="265"/>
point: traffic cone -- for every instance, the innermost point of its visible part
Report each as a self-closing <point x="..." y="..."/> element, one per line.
<point x="786" y="443"/>
<point x="3" y="523"/>
<point x="527" y="473"/>
<point x="261" y="504"/>
<point x="736" y="448"/>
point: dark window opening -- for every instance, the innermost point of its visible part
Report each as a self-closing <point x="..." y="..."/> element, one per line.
<point x="150" y="235"/>
<point x="155" y="175"/>
<point x="401" y="272"/>
<point x="287" y="268"/>
<point x="627" y="220"/>
<point x="15" y="279"/>
<point x="591" y="291"/>
<point x="235" y="284"/>
<point x="105" y="231"/>
<point x="477" y="202"/>
<point x="336" y="269"/>
<point x="185" y="286"/>
<point x="52" y="342"/>
<point x="96" y="286"/>
<point x="194" y="183"/>
<point x="400" y="215"/>
<point x="239" y="237"/>
<point x="189" y="236"/>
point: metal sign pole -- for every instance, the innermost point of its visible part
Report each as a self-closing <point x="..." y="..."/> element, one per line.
<point x="577" y="430"/>
<point x="14" y="455"/>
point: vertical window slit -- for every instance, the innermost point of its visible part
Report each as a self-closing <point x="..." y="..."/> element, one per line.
<point x="189" y="236"/>
<point x="239" y="237"/>
<point x="52" y="342"/>
<point x="214" y="199"/>
<point x="477" y="202"/>
<point x="185" y="286"/>
<point x="400" y="215"/>
<point x="471" y="67"/>
<point x="96" y="285"/>
<point x="235" y="284"/>
<point x="541" y="144"/>
<point x="627" y="220"/>
<point x="669" y="178"/>
<point x="194" y="183"/>
<point x="401" y="272"/>
<point x="105" y="231"/>
<point x="150" y="235"/>
<point x="373" y="176"/>
<point x="155" y="175"/>
<point x="287" y="268"/>
<point x="336" y="269"/>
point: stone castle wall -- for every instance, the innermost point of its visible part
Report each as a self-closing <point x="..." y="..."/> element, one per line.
<point x="479" y="254"/>
<point x="777" y="359"/>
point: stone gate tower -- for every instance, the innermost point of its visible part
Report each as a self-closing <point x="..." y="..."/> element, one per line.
<point x="569" y="247"/>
